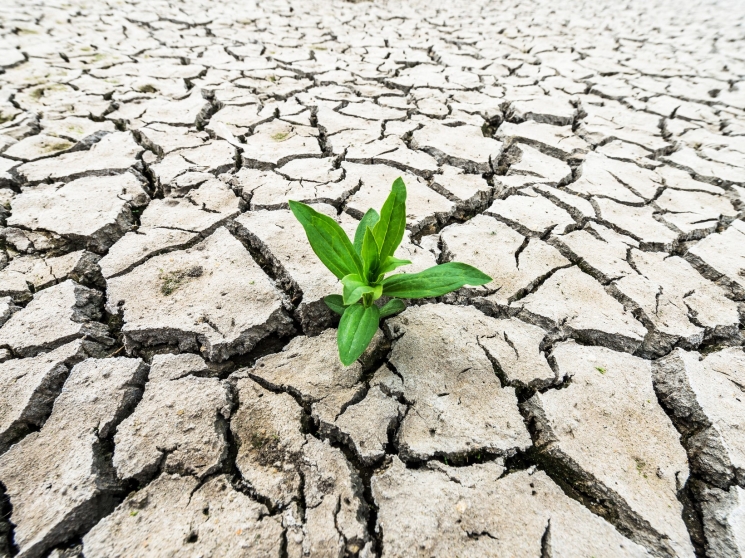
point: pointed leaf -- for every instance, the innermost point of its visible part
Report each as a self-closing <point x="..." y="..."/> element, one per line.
<point x="369" y="253"/>
<point x="435" y="281"/>
<point x="389" y="230"/>
<point x="356" y="329"/>
<point x="390" y="264"/>
<point x="336" y="303"/>
<point x="369" y="220"/>
<point x="391" y="307"/>
<point x="354" y="287"/>
<point x="377" y="291"/>
<point x="328" y="240"/>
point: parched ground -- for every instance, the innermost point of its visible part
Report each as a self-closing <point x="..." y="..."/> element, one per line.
<point x="169" y="384"/>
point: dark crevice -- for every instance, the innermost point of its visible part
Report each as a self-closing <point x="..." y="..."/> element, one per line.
<point x="7" y="543"/>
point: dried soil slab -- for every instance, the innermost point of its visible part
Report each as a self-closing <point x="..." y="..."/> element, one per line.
<point x="617" y="180"/>
<point x="174" y="515"/>
<point x="599" y="251"/>
<point x="331" y="122"/>
<point x="372" y="111"/>
<point x="340" y="142"/>
<point x="25" y="271"/>
<point x="37" y="147"/>
<point x="614" y="442"/>
<point x="7" y="309"/>
<point x="367" y="425"/>
<point x="55" y="316"/>
<point x="57" y="479"/>
<point x="179" y="166"/>
<point x="527" y="166"/>
<point x="515" y="262"/>
<point x="212" y="297"/>
<point x="470" y="192"/>
<point x="722" y="515"/>
<point x="114" y="154"/>
<point x="704" y="395"/>
<point x="75" y="128"/>
<point x="705" y="170"/>
<point x="459" y="146"/>
<point x="172" y="367"/>
<point x="696" y="214"/>
<point x="475" y="511"/>
<point x="556" y="141"/>
<point x="321" y="171"/>
<point x="94" y="212"/>
<point x="457" y="405"/>
<point x="276" y="143"/>
<point x="267" y="429"/>
<point x="201" y="210"/>
<point x="178" y="427"/>
<point x="614" y="121"/>
<point x="531" y="213"/>
<point x="309" y="368"/>
<point x="676" y="303"/>
<point x="135" y="247"/>
<point x="628" y="152"/>
<point x="720" y="257"/>
<point x="638" y="223"/>
<point x="515" y="350"/>
<point x="29" y="386"/>
<point x="425" y="208"/>
<point x="190" y="111"/>
<point x="7" y="180"/>
<point x="556" y="111"/>
<point x="392" y="151"/>
<point x="11" y="57"/>
<point x="269" y="190"/>
<point x="162" y="138"/>
<point x="335" y="514"/>
<point x="578" y="305"/>
<point x="30" y="242"/>
<point x="681" y="180"/>
<point x="239" y="120"/>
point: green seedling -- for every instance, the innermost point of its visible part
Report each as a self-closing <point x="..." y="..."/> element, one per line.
<point x="361" y="266"/>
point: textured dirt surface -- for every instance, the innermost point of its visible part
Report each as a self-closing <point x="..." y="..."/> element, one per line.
<point x="169" y="383"/>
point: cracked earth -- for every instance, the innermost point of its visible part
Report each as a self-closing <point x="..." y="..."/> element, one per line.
<point x="169" y="381"/>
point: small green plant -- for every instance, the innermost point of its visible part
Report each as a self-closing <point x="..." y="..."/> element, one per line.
<point x="361" y="266"/>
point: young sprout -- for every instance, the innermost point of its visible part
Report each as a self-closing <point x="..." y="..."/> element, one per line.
<point x="361" y="266"/>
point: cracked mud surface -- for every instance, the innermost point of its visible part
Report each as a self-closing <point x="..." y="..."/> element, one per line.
<point x="169" y="384"/>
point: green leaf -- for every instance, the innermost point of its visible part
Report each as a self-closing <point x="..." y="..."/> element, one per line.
<point x="435" y="281"/>
<point x="335" y="302"/>
<point x="369" y="220"/>
<point x="391" y="307"/>
<point x="390" y="264"/>
<point x="328" y="240"/>
<point x="389" y="230"/>
<point x="370" y="257"/>
<point x="354" y="287"/>
<point x="356" y="329"/>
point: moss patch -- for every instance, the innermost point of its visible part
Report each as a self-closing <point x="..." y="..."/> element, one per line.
<point x="172" y="280"/>
<point x="267" y="447"/>
<point x="57" y="146"/>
